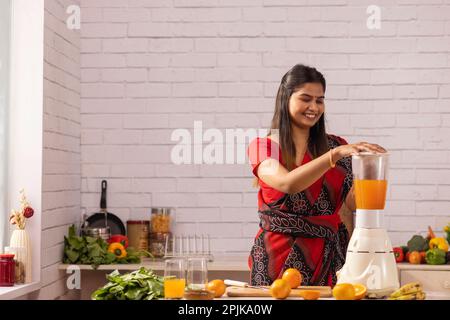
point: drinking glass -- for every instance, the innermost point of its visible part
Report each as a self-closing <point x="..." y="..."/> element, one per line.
<point x="197" y="273"/>
<point x="20" y="257"/>
<point x="174" y="278"/>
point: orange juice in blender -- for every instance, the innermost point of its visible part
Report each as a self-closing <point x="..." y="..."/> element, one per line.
<point x="370" y="194"/>
<point x="370" y="176"/>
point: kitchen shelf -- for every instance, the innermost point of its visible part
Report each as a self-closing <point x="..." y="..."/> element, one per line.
<point x="228" y="263"/>
<point x="220" y="263"/>
<point x="425" y="267"/>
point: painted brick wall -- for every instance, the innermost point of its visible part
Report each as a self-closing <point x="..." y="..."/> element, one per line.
<point x="151" y="66"/>
<point x="62" y="169"/>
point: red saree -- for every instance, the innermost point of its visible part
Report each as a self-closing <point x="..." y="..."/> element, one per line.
<point x="302" y="230"/>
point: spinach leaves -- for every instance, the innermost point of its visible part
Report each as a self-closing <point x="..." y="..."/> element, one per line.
<point x="93" y="251"/>
<point x="141" y="284"/>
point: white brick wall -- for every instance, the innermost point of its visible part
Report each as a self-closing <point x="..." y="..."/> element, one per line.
<point x="62" y="170"/>
<point x="148" y="67"/>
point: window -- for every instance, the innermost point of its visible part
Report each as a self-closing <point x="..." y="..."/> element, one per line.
<point x="5" y="31"/>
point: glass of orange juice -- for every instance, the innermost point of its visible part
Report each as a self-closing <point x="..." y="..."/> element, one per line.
<point x="174" y="278"/>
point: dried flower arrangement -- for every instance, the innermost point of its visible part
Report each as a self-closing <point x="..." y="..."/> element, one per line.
<point x="18" y="217"/>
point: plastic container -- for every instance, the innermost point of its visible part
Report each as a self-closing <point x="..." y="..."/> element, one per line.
<point x="137" y="232"/>
<point x="161" y="220"/>
<point x="7" y="270"/>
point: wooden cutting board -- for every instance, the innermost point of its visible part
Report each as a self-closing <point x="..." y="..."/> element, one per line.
<point x="325" y="292"/>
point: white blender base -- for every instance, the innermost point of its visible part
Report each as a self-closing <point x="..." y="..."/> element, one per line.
<point x="371" y="262"/>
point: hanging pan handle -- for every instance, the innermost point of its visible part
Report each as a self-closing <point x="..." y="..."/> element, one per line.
<point x="103" y="197"/>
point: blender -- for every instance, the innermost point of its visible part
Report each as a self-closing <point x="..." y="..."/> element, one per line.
<point x="370" y="260"/>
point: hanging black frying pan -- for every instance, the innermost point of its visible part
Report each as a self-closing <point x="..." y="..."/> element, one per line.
<point x="104" y="218"/>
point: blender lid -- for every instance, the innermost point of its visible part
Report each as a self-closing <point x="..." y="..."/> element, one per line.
<point x="370" y="154"/>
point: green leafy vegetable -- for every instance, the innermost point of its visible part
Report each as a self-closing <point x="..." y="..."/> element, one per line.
<point x="142" y="284"/>
<point x="94" y="251"/>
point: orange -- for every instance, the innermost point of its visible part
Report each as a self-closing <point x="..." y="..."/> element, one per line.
<point x="414" y="257"/>
<point x="422" y="256"/>
<point x="360" y="291"/>
<point x="280" y="289"/>
<point x="293" y="277"/>
<point x="344" y="291"/>
<point x="217" y="286"/>
<point x="310" y="294"/>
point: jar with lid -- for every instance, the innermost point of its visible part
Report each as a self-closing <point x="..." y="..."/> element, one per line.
<point x="160" y="221"/>
<point x="19" y="254"/>
<point x="158" y="241"/>
<point x="7" y="270"/>
<point x="137" y="231"/>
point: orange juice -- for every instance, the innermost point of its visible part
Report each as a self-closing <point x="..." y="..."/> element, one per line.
<point x="370" y="194"/>
<point x="174" y="288"/>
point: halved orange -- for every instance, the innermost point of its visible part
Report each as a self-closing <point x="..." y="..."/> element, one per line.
<point x="360" y="291"/>
<point x="310" y="294"/>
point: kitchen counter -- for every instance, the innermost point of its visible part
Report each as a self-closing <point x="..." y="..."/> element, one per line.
<point x="434" y="278"/>
<point x="429" y="296"/>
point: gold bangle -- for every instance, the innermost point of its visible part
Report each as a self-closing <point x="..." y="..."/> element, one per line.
<point x="332" y="164"/>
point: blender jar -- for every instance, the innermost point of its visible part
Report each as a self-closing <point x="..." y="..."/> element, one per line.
<point x="370" y="175"/>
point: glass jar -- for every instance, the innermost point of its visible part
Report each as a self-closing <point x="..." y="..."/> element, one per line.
<point x="137" y="232"/>
<point x="20" y="254"/>
<point x="160" y="220"/>
<point x="157" y="245"/>
<point x="7" y="270"/>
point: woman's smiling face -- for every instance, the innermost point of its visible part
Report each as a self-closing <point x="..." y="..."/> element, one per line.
<point x="306" y="105"/>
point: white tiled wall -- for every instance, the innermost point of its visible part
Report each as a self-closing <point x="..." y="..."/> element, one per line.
<point x="149" y="67"/>
<point x="62" y="170"/>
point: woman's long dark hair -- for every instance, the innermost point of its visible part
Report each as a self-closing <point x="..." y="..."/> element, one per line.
<point x="291" y="81"/>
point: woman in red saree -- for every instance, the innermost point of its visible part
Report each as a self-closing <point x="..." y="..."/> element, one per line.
<point x="305" y="177"/>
